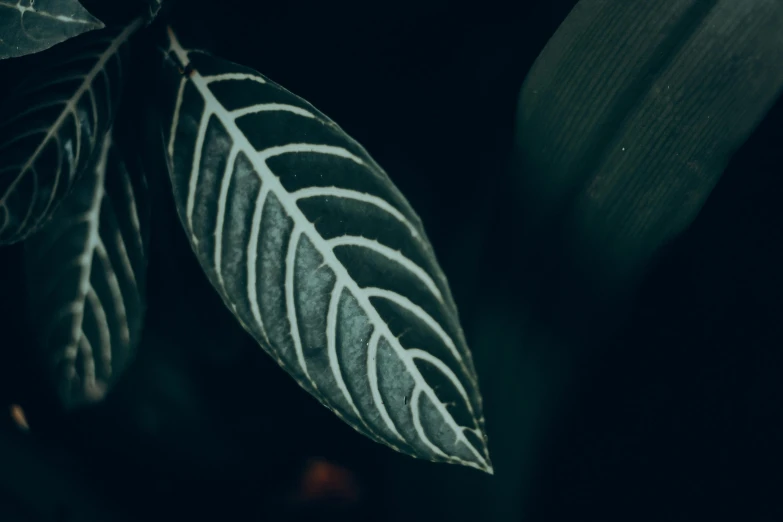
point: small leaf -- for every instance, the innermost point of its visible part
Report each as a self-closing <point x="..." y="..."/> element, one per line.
<point x="30" y="26"/>
<point x="631" y="113"/>
<point x="50" y="126"/>
<point x="320" y="258"/>
<point x="86" y="272"/>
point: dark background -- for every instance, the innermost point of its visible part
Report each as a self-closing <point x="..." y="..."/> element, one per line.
<point x="676" y="416"/>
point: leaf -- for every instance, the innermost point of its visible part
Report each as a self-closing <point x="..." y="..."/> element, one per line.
<point x="86" y="272"/>
<point x="30" y="26"/>
<point x="52" y="123"/>
<point x="320" y="258"/>
<point x="630" y="115"/>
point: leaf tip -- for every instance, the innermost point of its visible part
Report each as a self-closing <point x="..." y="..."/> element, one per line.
<point x="483" y="462"/>
<point x="488" y="468"/>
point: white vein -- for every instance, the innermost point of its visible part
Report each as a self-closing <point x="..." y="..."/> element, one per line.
<point x="391" y="254"/>
<point x="127" y="267"/>
<point x="68" y="148"/>
<point x="88" y="369"/>
<point x="337" y="192"/>
<point x="94" y="106"/>
<point x="133" y="211"/>
<point x="225" y="181"/>
<point x="63" y="224"/>
<point x="343" y="279"/>
<point x="416" y="413"/>
<point x="416" y="353"/>
<point x="60" y="18"/>
<point x="19" y="137"/>
<point x="290" y="302"/>
<point x="89" y="373"/>
<point x="175" y="120"/>
<point x="32" y="109"/>
<point x="70" y="350"/>
<point x="372" y="376"/>
<point x="421" y="314"/>
<point x="271" y="107"/>
<point x="116" y="293"/>
<point x="39" y="86"/>
<point x="94" y="250"/>
<point x="70" y="109"/>
<point x="252" y="260"/>
<point x="331" y="348"/>
<point x="194" y="174"/>
<point x="232" y="76"/>
<point x="86" y="259"/>
<point x="312" y="148"/>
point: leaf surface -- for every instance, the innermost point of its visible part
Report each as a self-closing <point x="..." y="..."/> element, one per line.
<point x="630" y="115"/>
<point x="320" y="258"/>
<point x="52" y="123"/>
<point x="30" y="26"/>
<point x="86" y="272"/>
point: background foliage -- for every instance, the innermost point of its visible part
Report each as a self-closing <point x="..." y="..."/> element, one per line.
<point x="676" y="417"/>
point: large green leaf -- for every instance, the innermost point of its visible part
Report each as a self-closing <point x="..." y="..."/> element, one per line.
<point x="630" y="114"/>
<point x="52" y="123"/>
<point x="320" y="258"/>
<point x="86" y="273"/>
<point x="30" y="26"/>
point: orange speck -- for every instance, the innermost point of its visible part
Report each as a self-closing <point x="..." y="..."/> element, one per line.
<point x="323" y="480"/>
<point x="17" y="414"/>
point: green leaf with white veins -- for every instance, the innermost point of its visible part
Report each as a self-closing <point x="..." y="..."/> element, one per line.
<point x="51" y="124"/>
<point x="86" y="274"/>
<point x="30" y="26"/>
<point x="320" y="258"/>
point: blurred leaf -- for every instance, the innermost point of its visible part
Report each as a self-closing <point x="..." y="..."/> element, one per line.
<point x="52" y="123"/>
<point x="320" y="258"/>
<point x="86" y="274"/>
<point x="629" y="116"/>
<point x="30" y="26"/>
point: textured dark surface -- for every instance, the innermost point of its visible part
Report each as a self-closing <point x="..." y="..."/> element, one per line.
<point x="27" y="26"/>
<point x="630" y="115"/>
